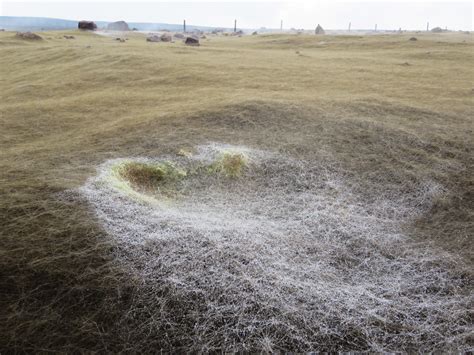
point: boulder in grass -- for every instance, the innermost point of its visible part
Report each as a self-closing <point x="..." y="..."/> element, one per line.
<point x="118" y="26"/>
<point x="87" y="25"/>
<point x="191" y="41"/>
<point x="178" y="35"/>
<point x="319" y="30"/>
<point x="28" y="35"/>
<point x="413" y="39"/>
<point x="437" y="30"/>
<point x="165" y="37"/>
<point x="153" y="38"/>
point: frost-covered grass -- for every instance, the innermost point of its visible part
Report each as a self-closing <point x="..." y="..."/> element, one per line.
<point x="288" y="256"/>
<point x="354" y="233"/>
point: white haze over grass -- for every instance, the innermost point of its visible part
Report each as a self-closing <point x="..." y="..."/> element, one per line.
<point x="286" y="257"/>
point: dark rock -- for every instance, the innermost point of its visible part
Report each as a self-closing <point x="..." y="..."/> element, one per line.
<point x="87" y="25"/>
<point x="191" y="41"/>
<point x="254" y="33"/>
<point x="413" y="39"/>
<point x="437" y="30"/>
<point x="68" y="37"/>
<point x="178" y="35"/>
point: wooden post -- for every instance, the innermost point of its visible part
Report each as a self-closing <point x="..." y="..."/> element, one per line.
<point x="235" y="26"/>
<point x="427" y="26"/>
<point x="281" y="25"/>
<point x="349" y="27"/>
<point x="184" y="26"/>
<point x="375" y="27"/>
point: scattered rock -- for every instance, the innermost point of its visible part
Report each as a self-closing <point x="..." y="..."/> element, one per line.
<point x="319" y="30"/>
<point x="413" y="39"/>
<point x="2" y="30"/>
<point x="178" y="35"/>
<point x="165" y="37"/>
<point x="28" y="35"/>
<point x="134" y="29"/>
<point x="68" y="37"/>
<point x="437" y="30"/>
<point x="118" y="26"/>
<point x="153" y="38"/>
<point x="254" y="33"/>
<point x="406" y="64"/>
<point x="203" y="37"/>
<point x="191" y="41"/>
<point x="87" y="25"/>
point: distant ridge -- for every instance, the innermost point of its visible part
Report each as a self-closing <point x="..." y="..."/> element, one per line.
<point x="14" y="23"/>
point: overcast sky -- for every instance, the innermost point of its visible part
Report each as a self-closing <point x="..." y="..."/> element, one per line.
<point x="391" y="14"/>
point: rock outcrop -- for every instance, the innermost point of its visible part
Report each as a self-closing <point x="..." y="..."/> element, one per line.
<point x="118" y="26"/>
<point x="319" y="30"/>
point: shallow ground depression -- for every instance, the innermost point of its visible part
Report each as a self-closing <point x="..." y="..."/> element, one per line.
<point x="258" y="250"/>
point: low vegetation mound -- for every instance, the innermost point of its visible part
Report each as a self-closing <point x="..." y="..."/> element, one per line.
<point x="251" y="236"/>
<point x="28" y="36"/>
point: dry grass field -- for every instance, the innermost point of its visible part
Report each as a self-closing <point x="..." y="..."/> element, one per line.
<point x="349" y="226"/>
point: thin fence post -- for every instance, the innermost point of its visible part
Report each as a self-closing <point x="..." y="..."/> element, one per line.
<point x="235" y="25"/>
<point x="184" y="26"/>
<point x="427" y="26"/>
<point x="349" y="26"/>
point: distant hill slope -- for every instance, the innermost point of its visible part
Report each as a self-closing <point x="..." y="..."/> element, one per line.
<point x="14" y="23"/>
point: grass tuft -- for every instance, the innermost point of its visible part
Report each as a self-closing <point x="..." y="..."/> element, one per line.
<point x="229" y="164"/>
<point x="147" y="176"/>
